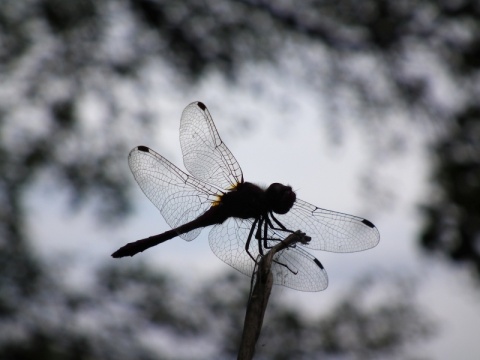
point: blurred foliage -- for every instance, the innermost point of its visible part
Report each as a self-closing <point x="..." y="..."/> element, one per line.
<point x="453" y="227"/>
<point x="127" y="310"/>
<point x="66" y="68"/>
<point x="376" y="319"/>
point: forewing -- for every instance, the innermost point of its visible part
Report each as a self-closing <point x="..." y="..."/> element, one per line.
<point x="330" y="230"/>
<point x="294" y="268"/>
<point x="179" y="197"/>
<point x="204" y="154"/>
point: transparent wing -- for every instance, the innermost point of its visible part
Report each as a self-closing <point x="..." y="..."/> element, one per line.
<point x="330" y="230"/>
<point x="310" y="274"/>
<point x="300" y="270"/>
<point x="179" y="197"/>
<point x="204" y="154"/>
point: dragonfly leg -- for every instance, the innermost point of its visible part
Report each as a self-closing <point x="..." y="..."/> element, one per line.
<point x="281" y="226"/>
<point x="247" y="244"/>
<point x="305" y="240"/>
<point x="264" y="238"/>
<point x="260" y="226"/>
<point x="266" y="225"/>
<point x="286" y="266"/>
<point x="258" y="235"/>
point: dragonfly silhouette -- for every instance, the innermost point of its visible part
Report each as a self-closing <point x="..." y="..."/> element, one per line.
<point x="247" y="219"/>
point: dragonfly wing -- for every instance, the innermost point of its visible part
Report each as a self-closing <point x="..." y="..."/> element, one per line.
<point x="179" y="197"/>
<point x="297" y="269"/>
<point x="330" y="230"/>
<point x="293" y="267"/>
<point x="204" y="154"/>
<point x="228" y="240"/>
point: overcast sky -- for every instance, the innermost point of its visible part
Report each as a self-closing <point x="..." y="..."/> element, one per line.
<point x="285" y="143"/>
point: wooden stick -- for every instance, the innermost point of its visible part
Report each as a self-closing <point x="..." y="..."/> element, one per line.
<point x="257" y="303"/>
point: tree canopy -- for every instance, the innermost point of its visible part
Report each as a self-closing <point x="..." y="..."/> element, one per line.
<point x="67" y="66"/>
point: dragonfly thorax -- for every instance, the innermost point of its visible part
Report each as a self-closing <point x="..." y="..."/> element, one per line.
<point x="245" y="201"/>
<point x="250" y="201"/>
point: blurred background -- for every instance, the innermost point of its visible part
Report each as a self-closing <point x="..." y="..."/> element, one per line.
<point x="369" y="108"/>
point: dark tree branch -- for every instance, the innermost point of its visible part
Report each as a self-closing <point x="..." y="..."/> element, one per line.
<point x="262" y="282"/>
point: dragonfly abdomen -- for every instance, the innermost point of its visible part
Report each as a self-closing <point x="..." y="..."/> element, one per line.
<point x="211" y="217"/>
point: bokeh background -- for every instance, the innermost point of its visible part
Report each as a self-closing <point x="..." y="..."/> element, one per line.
<point x="365" y="107"/>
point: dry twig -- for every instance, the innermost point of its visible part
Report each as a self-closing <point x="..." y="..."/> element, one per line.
<point x="257" y="304"/>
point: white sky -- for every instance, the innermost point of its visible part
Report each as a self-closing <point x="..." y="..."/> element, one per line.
<point x="286" y="145"/>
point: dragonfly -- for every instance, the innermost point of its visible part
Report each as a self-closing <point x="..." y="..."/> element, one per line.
<point x="247" y="219"/>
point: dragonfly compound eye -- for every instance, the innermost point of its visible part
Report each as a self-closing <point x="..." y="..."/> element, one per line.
<point x="280" y="197"/>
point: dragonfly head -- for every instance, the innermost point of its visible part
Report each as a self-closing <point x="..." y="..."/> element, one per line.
<point x="280" y="198"/>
